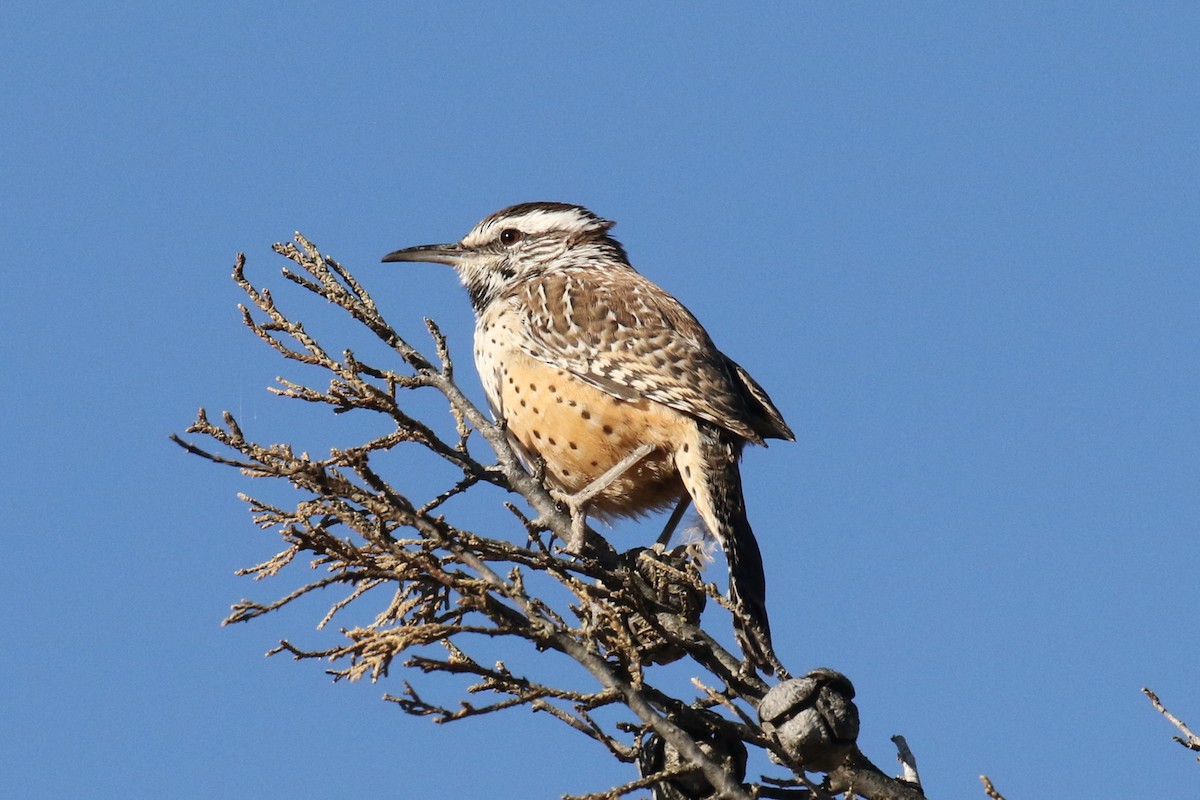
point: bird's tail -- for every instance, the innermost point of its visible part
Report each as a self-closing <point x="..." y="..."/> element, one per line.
<point x="715" y="484"/>
<point x="748" y="592"/>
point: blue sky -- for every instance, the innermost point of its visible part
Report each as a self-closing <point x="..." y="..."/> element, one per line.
<point x="956" y="242"/>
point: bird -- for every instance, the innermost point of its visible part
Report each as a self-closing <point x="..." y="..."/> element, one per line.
<point x="611" y="386"/>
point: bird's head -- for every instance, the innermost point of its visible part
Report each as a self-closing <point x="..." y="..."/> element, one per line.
<point x="518" y="242"/>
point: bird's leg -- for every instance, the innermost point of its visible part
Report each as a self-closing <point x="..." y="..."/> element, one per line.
<point x="665" y="537"/>
<point x="578" y="502"/>
<point x="597" y="486"/>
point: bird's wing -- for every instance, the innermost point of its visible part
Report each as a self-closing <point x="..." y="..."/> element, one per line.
<point x="629" y="338"/>
<point x="765" y="417"/>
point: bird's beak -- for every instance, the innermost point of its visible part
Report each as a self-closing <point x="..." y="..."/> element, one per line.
<point x="433" y="253"/>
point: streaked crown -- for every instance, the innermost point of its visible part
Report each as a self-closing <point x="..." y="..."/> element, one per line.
<point x="538" y="220"/>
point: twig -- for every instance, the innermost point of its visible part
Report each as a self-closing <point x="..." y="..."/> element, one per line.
<point x="1192" y="741"/>
<point x="908" y="762"/>
<point x="642" y="783"/>
<point x="989" y="789"/>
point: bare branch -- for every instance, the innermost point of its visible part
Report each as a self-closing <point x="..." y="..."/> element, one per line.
<point x="441" y="591"/>
<point x="908" y="762"/>
<point x="642" y="783"/>
<point x="989" y="789"/>
<point x="1189" y="740"/>
<point x="859" y="776"/>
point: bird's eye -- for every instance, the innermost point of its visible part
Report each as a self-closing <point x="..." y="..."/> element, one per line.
<point x="510" y="236"/>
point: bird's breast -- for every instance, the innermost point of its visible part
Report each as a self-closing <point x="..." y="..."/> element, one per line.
<point x="578" y="430"/>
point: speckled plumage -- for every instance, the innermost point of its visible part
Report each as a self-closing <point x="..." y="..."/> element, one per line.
<point x="585" y="360"/>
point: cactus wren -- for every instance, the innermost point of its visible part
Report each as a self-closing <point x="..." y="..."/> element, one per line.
<point x="611" y="383"/>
